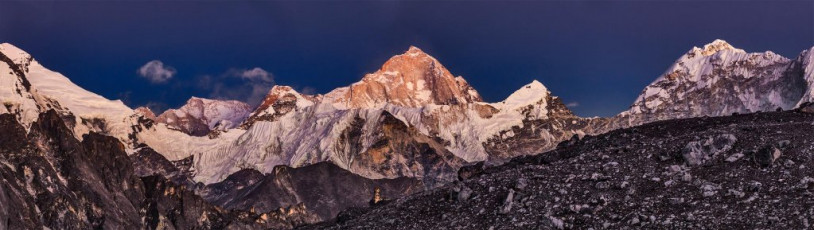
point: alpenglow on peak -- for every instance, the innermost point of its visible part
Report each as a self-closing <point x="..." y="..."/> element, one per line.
<point x="715" y="46"/>
<point x="411" y="79"/>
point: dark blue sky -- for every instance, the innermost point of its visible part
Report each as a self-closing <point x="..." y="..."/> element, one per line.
<point x="599" y="54"/>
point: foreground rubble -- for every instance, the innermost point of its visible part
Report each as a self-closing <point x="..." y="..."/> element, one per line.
<point x="743" y="172"/>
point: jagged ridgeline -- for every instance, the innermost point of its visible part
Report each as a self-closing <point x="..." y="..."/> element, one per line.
<point x="407" y="127"/>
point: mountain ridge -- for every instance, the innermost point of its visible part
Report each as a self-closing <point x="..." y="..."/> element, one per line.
<point x="455" y="117"/>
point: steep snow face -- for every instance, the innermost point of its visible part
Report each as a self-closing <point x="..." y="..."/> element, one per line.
<point x="50" y="89"/>
<point x="412" y="79"/>
<point x="533" y="94"/>
<point x="15" y="89"/>
<point x="199" y="116"/>
<point x="720" y="80"/>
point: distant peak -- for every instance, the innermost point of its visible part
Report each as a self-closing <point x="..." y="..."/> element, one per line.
<point x="713" y="47"/>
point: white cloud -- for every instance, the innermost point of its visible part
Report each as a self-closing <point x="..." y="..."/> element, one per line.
<point x="572" y="104"/>
<point x="156" y="72"/>
<point x="256" y="74"/>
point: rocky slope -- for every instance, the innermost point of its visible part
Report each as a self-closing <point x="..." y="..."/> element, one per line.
<point x="52" y="180"/>
<point x="307" y="194"/>
<point x="702" y="173"/>
<point x="323" y="187"/>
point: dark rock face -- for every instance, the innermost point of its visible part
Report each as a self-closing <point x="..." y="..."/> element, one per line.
<point x="51" y="179"/>
<point x="402" y="150"/>
<point x="322" y="188"/>
<point x="63" y="183"/>
<point x="168" y="205"/>
<point x="630" y="179"/>
<point x="147" y="162"/>
<point x="807" y="107"/>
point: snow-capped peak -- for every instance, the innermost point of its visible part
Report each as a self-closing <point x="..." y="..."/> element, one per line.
<point x="527" y="95"/>
<point x="285" y="93"/>
<point x="280" y="101"/>
<point x="713" y="47"/>
<point x="411" y="79"/>
<point x="720" y="80"/>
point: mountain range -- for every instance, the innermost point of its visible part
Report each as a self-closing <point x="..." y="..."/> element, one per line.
<point x="407" y="127"/>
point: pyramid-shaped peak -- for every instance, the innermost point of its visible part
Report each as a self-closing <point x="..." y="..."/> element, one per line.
<point x="528" y="94"/>
<point x="412" y="79"/>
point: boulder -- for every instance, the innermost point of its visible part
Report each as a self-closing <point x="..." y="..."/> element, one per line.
<point x="702" y="151"/>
